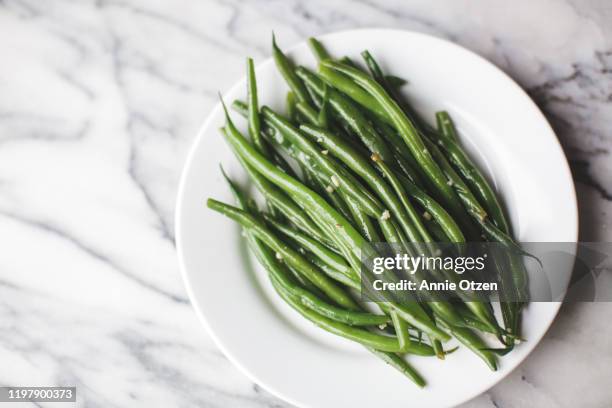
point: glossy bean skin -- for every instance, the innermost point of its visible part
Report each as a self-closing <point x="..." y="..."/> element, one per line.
<point x="289" y="255"/>
<point x="243" y="109"/>
<point x="401" y="153"/>
<point x="345" y="84"/>
<point x="310" y="301"/>
<point x="469" y="201"/>
<point x="401" y="331"/>
<point x="336" y="176"/>
<point x="398" y="363"/>
<point x="441" y="307"/>
<point x="368" y="339"/>
<point x="345" y="213"/>
<point x="383" y="80"/>
<point x="517" y="287"/>
<point x="287" y="70"/>
<point x="340" y="315"/>
<point x="348" y="113"/>
<point x="318" y="49"/>
<point x="283" y="203"/>
<point x="484" y="192"/>
<point x="468" y="338"/>
<point x="470" y="298"/>
<point x="470" y="173"/>
<point x="442" y="217"/>
<point x="364" y="169"/>
<point x="446" y="127"/>
<point x="363" y="222"/>
<point x="307" y="298"/>
<point x="344" y="232"/>
<point x="406" y="129"/>
<point x="407" y="217"/>
<point x="253" y="106"/>
<point x="309" y="199"/>
<point x="321" y="251"/>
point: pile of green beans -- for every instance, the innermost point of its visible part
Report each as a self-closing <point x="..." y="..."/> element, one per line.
<point x="352" y="163"/>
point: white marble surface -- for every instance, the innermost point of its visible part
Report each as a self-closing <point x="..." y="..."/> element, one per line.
<point x="99" y="102"/>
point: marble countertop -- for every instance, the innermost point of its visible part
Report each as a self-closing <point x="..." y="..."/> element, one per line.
<point x="99" y="103"/>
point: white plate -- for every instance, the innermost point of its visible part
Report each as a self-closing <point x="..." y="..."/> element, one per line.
<point x="288" y="356"/>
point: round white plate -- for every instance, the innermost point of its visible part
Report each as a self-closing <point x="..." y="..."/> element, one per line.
<point x="278" y="349"/>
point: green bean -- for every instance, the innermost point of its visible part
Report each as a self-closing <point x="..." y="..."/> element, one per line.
<point x="406" y="129"/>
<point x="392" y="233"/>
<point x="241" y="200"/>
<point x="376" y="341"/>
<point x="289" y="255"/>
<point x="308" y="113"/>
<point x="324" y="215"/>
<point x="475" y="209"/>
<point x="336" y="175"/>
<point x="401" y="331"/>
<point x="352" y="318"/>
<point x="301" y="280"/>
<point x="253" y="106"/>
<point x="319" y="185"/>
<point x="350" y="281"/>
<point x="472" y="176"/>
<point x="285" y="67"/>
<point x="470" y="202"/>
<point x="291" y="106"/>
<point x="412" y="313"/>
<point x="310" y="116"/>
<point x="331" y="258"/>
<point x="519" y="275"/>
<point x="394" y="81"/>
<point x="446" y="128"/>
<point x="283" y="203"/>
<point x="483" y="190"/>
<point x="401" y="152"/>
<point x="306" y="298"/>
<point x="401" y="193"/>
<point x="318" y="180"/>
<point x="407" y="217"/>
<point x="441" y="308"/>
<point x="346" y="85"/>
<point x="438" y="213"/>
<point x="435" y="230"/>
<point x="382" y="79"/>
<point x="473" y="342"/>
<point x="363" y="222"/>
<point x="438" y="348"/>
<point x="318" y="49"/>
<point x="478" y="308"/>
<point x="348" y="61"/>
<point x="396" y="362"/>
<point x="242" y="109"/>
<point x="338" y="201"/>
<point x="255" y="245"/>
<point x="473" y="322"/>
<point x="308" y="198"/>
<point x="322" y="117"/>
<point x="375" y="70"/>
<point x="348" y="113"/>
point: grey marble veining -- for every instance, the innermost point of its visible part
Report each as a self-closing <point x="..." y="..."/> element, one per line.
<point x="99" y="102"/>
